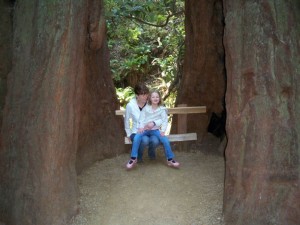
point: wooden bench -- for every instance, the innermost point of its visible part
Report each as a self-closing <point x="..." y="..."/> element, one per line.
<point x="182" y="111"/>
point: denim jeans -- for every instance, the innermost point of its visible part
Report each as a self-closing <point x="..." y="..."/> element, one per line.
<point x="163" y="139"/>
<point x="151" y="141"/>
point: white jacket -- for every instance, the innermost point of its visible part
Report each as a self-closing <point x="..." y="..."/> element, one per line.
<point x="132" y="115"/>
<point x="148" y="115"/>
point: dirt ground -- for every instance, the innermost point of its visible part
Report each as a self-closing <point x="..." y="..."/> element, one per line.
<point x="153" y="193"/>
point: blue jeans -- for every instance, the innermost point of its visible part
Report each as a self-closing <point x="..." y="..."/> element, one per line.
<point x="151" y="141"/>
<point x="163" y="139"/>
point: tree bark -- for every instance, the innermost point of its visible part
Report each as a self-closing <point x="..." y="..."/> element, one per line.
<point x="5" y="50"/>
<point x="101" y="133"/>
<point x="60" y="99"/>
<point x="41" y="117"/>
<point x="263" y="103"/>
<point x="203" y="81"/>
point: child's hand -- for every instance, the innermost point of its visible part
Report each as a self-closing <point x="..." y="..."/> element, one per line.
<point x="162" y="133"/>
<point x="140" y="130"/>
<point x="149" y="126"/>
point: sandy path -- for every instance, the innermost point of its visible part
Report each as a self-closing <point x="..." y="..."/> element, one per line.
<point x="153" y="193"/>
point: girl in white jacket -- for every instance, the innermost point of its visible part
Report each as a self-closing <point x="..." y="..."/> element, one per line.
<point x="153" y="111"/>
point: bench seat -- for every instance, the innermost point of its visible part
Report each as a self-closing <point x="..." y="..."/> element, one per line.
<point x="175" y="137"/>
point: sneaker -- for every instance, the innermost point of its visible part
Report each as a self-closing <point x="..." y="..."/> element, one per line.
<point x="131" y="163"/>
<point x="173" y="163"/>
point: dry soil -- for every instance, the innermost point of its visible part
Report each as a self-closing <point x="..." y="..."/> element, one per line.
<point x="153" y="193"/>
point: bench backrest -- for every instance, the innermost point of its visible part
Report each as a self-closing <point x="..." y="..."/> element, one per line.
<point x="177" y="110"/>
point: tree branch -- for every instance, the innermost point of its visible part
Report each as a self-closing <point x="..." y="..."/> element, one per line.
<point x="152" y="24"/>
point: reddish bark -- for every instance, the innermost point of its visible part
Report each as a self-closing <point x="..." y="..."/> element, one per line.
<point x="203" y="81"/>
<point x="56" y="59"/>
<point x="101" y="132"/>
<point x="263" y="123"/>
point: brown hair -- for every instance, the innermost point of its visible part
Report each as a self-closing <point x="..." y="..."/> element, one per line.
<point x="160" y="99"/>
<point x="141" y="89"/>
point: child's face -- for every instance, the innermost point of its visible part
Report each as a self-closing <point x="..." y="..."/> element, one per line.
<point x="154" y="98"/>
<point x="142" y="98"/>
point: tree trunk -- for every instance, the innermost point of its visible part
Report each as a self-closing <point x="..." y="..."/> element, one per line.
<point x="5" y="50"/>
<point x="41" y="117"/>
<point x="60" y="98"/>
<point x="203" y="81"/>
<point x="263" y="104"/>
<point x="101" y="133"/>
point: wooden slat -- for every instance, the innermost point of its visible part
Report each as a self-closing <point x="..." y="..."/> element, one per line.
<point x="187" y="110"/>
<point x="182" y="137"/>
<point x="120" y="112"/>
<point x="177" y="110"/>
<point x="175" y="137"/>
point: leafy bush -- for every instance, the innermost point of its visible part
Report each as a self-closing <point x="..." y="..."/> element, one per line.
<point x="124" y="95"/>
<point x="146" y="41"/>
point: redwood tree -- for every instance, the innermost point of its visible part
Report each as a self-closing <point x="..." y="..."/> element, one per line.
<point x="263" y="103"/>
<point x="203" y="80"/>
<point x="52" y="46"/>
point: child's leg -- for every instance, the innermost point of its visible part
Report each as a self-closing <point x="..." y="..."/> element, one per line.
<point x="166" y="143"/>
<point x="136" y="144"/>
<point x="153" y="144"/>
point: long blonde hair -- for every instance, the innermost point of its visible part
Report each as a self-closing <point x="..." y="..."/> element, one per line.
<point x="160" y="99"/>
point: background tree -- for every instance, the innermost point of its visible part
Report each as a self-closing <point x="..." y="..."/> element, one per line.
<point x="146" y="41"/>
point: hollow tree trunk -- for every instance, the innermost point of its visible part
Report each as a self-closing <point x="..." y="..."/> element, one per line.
<point x="101" y="132"/>
<point x="60" y="98"/>
<point x="203" y="80"/>
<point x="41" y="117"/>
<point x="263" y="104"/>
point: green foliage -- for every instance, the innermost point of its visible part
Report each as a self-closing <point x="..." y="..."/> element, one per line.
<point x="146" y="40"/>
<point x="124" y="95"/>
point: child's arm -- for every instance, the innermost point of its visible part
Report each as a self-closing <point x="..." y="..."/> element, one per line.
<point x="127" y="121"/>
<point x="141" y="126"/>
<point x="152" y="124"/>
<point x="158" y="122"/>
<point x="164" y="119"/>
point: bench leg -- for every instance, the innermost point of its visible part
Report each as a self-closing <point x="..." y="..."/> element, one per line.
<point x="182" y="128"/>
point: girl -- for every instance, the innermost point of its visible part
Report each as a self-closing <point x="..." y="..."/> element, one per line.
<point x="153" y="111"/>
